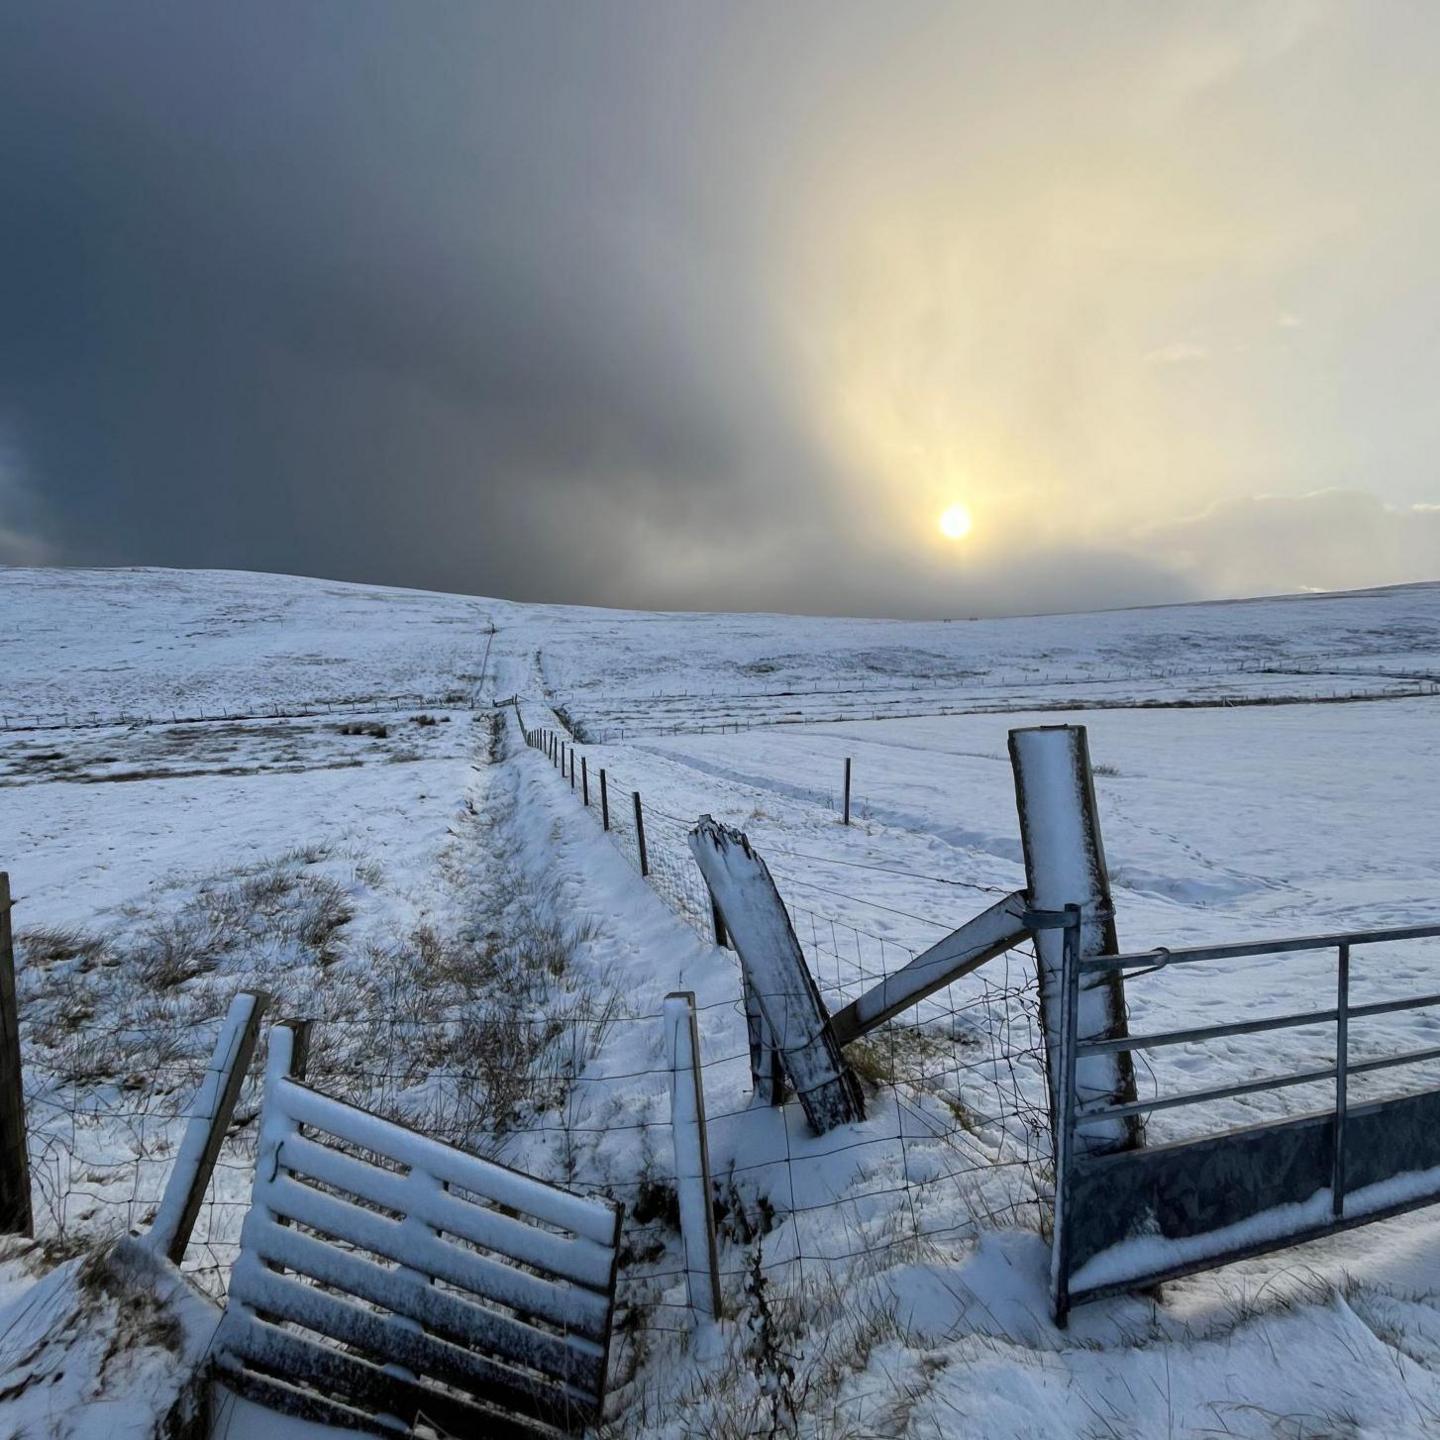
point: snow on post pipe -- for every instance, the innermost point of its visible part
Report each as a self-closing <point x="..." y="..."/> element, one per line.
<point x="692" y="1154"/>
<point x="776" y="976"/>
<point x="1065" y="865"/>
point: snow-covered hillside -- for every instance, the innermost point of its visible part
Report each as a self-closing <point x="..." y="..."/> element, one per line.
<point x="310" y="792"/>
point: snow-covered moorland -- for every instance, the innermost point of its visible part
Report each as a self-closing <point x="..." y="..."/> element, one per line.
<point x="214" y="780"/>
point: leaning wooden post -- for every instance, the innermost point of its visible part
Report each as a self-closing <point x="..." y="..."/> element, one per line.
<point x="796" y="1022"/>
<point x="213" y="1109"/>
<point x="585" y="781"/>
<point x="604" y="801"/>
<point x="1065" y="865"/>
<point x="847" y="789"/>
<point x="640" y="834"/>
<point x="692" y="1155"/>
<point x="16" y="1217"/>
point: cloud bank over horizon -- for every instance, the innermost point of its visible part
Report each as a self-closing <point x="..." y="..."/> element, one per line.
<point x="684" y="306"/>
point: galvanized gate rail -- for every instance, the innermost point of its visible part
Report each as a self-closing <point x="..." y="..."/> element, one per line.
<point x="1102" y="1200"/>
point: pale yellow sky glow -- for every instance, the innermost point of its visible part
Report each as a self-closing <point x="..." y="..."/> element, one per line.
<point x="956" y="522"/>
<point x="1128" y="269"/>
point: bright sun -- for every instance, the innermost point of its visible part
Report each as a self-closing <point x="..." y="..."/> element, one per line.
<point x="955" y="523"/>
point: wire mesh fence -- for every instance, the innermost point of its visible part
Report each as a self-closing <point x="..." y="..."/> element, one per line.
<point x="953" y="1143"/>
<point x="574" y="1087"/>
<point x="106" y="1108"/>
<point x="958" y="1134"/>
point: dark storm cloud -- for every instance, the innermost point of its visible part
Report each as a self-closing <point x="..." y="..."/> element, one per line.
<point x="432" y="295"/>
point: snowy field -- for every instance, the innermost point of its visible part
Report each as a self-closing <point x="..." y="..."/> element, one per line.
<point x="311" y="794"/>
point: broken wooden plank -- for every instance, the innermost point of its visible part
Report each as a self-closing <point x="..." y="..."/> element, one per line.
<point x="989" y="934"/>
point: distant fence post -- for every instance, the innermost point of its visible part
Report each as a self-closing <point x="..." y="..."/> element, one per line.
<point x="585" y="781"/>
<point x="692" y="1155"/>
<point x="847" y="790"/>
<point x="604" y="802"/>
<point x="1065" y="865"/>
<point x="640" y="834"/>
<point x="214" y="1105"/>
<point x="16" y="1217"/>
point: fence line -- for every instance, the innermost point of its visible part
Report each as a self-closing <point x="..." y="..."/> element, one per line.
<point x="957" y="1129"/>
<point x="91" y="720"/>
<point x="962" y="1071"/>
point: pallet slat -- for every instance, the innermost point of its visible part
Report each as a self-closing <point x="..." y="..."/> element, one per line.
<point x="583" y="1312"/>
<point x="442" y="1313"/>
<point x="582" y="1261"/>
<point x="592" y="1219"/>
<point x="292" y="1360"/>
<point x="394" y="1340"/>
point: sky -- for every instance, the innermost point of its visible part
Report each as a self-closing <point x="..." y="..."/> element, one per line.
<point x="723" y="305"/>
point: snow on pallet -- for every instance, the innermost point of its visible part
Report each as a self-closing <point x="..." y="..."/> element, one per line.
<point x="460" y="1290"/>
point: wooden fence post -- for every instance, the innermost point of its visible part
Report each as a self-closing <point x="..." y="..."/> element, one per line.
<point x="604" y="801"/>
<point x="1065" y="865"/>
<point x="847" y="790"/>
<point x="16" y="1217"/>
<point x="214" y="1106"/>
<point x="300" y="1033"/>
<point x="585" y="781"/>
<point x="796" y="1024"/>
<point x="692" y="1155"/>
<point x="640" y="834"/>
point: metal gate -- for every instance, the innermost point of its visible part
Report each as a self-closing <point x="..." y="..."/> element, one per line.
<point x="1125" y="1220"/>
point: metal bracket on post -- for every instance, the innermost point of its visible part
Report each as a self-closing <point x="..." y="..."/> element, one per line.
<point x="692" y="1155"/>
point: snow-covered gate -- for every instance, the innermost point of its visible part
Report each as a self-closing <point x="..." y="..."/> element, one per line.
<point x="385" y="1276"/>
<point x="1129" y="1219"/>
